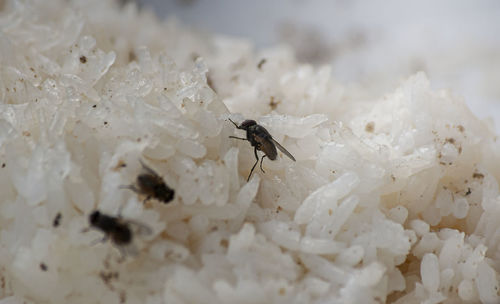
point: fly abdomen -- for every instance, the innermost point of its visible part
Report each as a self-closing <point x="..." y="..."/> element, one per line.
<point x="121" y="235"/>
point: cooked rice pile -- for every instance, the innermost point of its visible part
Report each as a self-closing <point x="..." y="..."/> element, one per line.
<point x="392" y="199"/>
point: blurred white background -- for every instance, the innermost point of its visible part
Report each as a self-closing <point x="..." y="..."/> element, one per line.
<point x="374" y="43"/>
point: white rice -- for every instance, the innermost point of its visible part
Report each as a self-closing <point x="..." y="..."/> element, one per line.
<point x="392" y="199"/>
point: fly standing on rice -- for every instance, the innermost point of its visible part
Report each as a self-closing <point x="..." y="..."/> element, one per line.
<point x="261" y="140"/>
<point x="152" y="185"/>
<point x="119" y="230"/>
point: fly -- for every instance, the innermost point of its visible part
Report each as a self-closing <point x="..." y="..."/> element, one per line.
<point x="152" y="185"/>
<point x="120" y="231"/>
<point x="261" y="140"/>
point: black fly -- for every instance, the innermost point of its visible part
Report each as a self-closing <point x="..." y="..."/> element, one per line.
<point x="152" y="185"/>
<point x="261" y="140"/>
<point x="119" y="230"/>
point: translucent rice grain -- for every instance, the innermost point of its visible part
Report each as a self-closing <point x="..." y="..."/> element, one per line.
<point x="185" y="281"/>
<point x="211" y="126"/>
<point x="370" y="275"/>
<point x="449" y="153"/>
<point x="322" y="268"/>
<point x="396" y="281"/>
<point x="444" y="202"/>
<point x="429" y="270"/>
<point x="432" y="215"/>
<point x="282" y="234"/>
<point x="337" y="220"/>
<point x="245" y="198"/>
<point x="351" y="256"/>
<point x="320" y="246"/>
<point x="292" y="126"/>
<point x="487" y="283"/>
<point x="467" y="291"/>
<point x="388" y="235"/>
<point x="243" y="239"/>
<point x="191" y="148"/>
<point x="428" y="243"/>
<point x="207" y="181"/>
<point x="460" y="208"/>
<point x="420" y="227"/>
<point x="398" y="214"/>
<point x="316" y="286"/>
<point x="231" y="162"/>
<point x="469" y="268"/>
<point x="324" y="198"/>
<point x="159" y="151"/>
<point x="33" y="186"/>
<point x="451" y="251"/>
<point x="199" y="224"/>
<point x="446" y="279"/>
<point x="412" y="236"/>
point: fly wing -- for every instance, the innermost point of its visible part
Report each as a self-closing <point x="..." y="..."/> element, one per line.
<point x="148" y="169"/>
<point x="282" y="149"/>
<point x="129" y="250"/>
<point x="139" y="228"/>
<point x="269" y="148"/>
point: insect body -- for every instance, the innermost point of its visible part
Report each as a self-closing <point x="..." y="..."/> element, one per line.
<point x="261" y="140"/>
<point x="119" y="230"/>
<point x="152" y="185"/>
<point x="114" y="227"/>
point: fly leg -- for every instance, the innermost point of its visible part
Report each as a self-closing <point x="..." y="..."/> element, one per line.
<point x="146" y="199"/>
<point x="136" y="190"/>
<point x="97" y="241"/>
<point x="234" y="123"/>
<point x="257" y="157"/>
<point x="262" y="159"/>
<point x="123" y="254"/>
<point x="237" y="137"/>
<point x="100" y="240"/>
<point x="130" y="187"/>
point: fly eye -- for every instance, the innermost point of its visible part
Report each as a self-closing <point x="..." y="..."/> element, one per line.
<point x="248" y="123"/>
